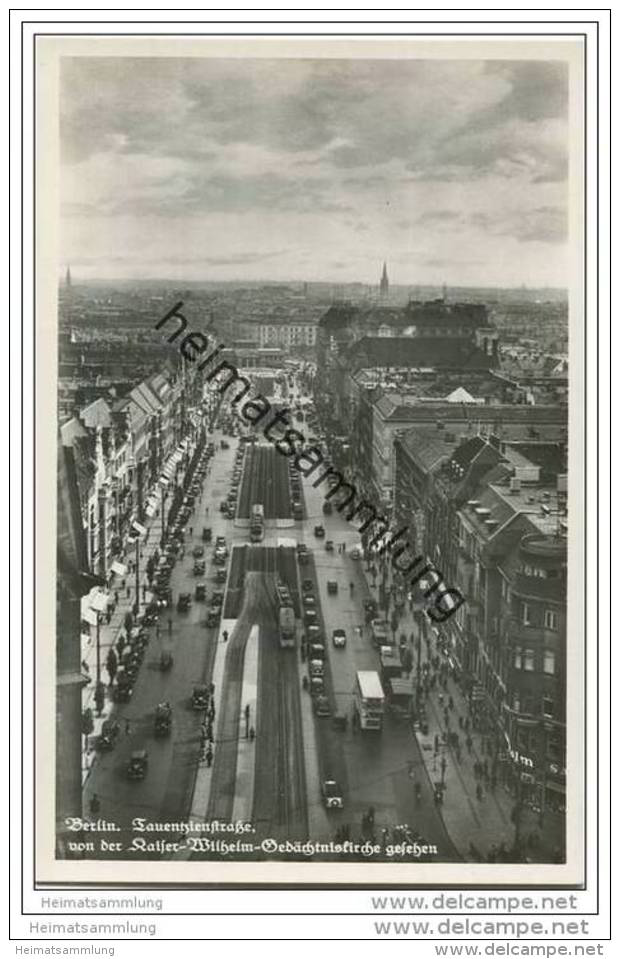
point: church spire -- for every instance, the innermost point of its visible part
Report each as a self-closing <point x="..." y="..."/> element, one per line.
<point x="68" y="278"/>
<point x="384" y="285"/>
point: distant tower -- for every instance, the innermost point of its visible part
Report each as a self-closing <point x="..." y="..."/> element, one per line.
<point x="68" y="278"/>
<point x="384" y="285"/>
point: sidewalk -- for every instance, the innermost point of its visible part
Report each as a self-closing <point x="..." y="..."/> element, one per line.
<point x="476" y="812"/>
<point x="109" y="632"/>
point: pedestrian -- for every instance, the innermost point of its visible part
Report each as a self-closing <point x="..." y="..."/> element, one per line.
<point x="116" y="596"/>
<point x="460" y="722"/>
<point x="436" y="743"/>
<point x="252" y="734"/>
<point x="450" y="703"/>
<point x="225" y="636"/>
<point x="209" y="756"/>
<point x="191" y="530"/>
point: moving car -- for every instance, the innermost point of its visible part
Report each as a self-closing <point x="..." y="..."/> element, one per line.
<point x="184" y="603"/>
<point x="163" y="719"/>
<point x="198" y="552"/>
<point x="200" y="592"/>
<point x="220" y="542"/>
<point x="339" y="638"/>
<point x="199" y="567"/>
<point x="327" y="508"/>
<point x="138" y="764"/>
<point x="332" y="587"/>
<point x="332" y="794"/>
<point x="319" y="531"/>
<point x="329" y="545"/>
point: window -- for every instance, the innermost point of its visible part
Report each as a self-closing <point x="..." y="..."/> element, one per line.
<point x="549" y="662"/>
<point x="525" y="614"/>
<point x="547" y="706"/>
<point x="551" y="619"/>
<point x="528" y="660"/>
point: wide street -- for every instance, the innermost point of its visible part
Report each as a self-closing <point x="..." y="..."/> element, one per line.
<point x="273" y="775"/>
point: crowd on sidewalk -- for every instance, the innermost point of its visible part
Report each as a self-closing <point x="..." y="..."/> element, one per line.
<point x="460" y="744"/>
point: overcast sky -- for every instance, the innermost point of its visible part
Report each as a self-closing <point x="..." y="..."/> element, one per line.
<point x="450" y="170"/>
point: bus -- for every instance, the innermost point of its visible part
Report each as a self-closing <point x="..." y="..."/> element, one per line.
<point x="287" y="626"/>
<point x="257" y="523"/>
<point x="369" y="699"/>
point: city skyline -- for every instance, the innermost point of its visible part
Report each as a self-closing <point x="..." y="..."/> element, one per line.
<point x="319" y="170"/>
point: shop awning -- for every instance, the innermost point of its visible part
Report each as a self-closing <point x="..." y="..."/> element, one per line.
<point x="118" y="568"/>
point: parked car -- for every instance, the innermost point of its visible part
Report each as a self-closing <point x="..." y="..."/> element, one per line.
<point x="321" y="706"/>
<point x="199" y="567"/>
<point x="213" y="617"/>
<point x="332" y="794"/>
<point x="200" y="592"/>
<point x="200" y="697"/>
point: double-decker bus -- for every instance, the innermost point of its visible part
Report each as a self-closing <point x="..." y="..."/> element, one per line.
<point x="369" y="699"/>
<point x="257" y="523"/>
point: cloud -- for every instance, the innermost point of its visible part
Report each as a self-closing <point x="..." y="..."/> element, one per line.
<point x="545" y="224"/>
<point x="353" y="156"/>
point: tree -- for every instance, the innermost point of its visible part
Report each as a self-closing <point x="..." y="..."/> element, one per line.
<point x="99" y="698"/>
<point x="111" y="664"/>
<point x="88" y="725"/>
<point x="128" y="621"/>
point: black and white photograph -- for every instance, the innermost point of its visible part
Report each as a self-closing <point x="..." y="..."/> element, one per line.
<point x="310" y="329"/>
